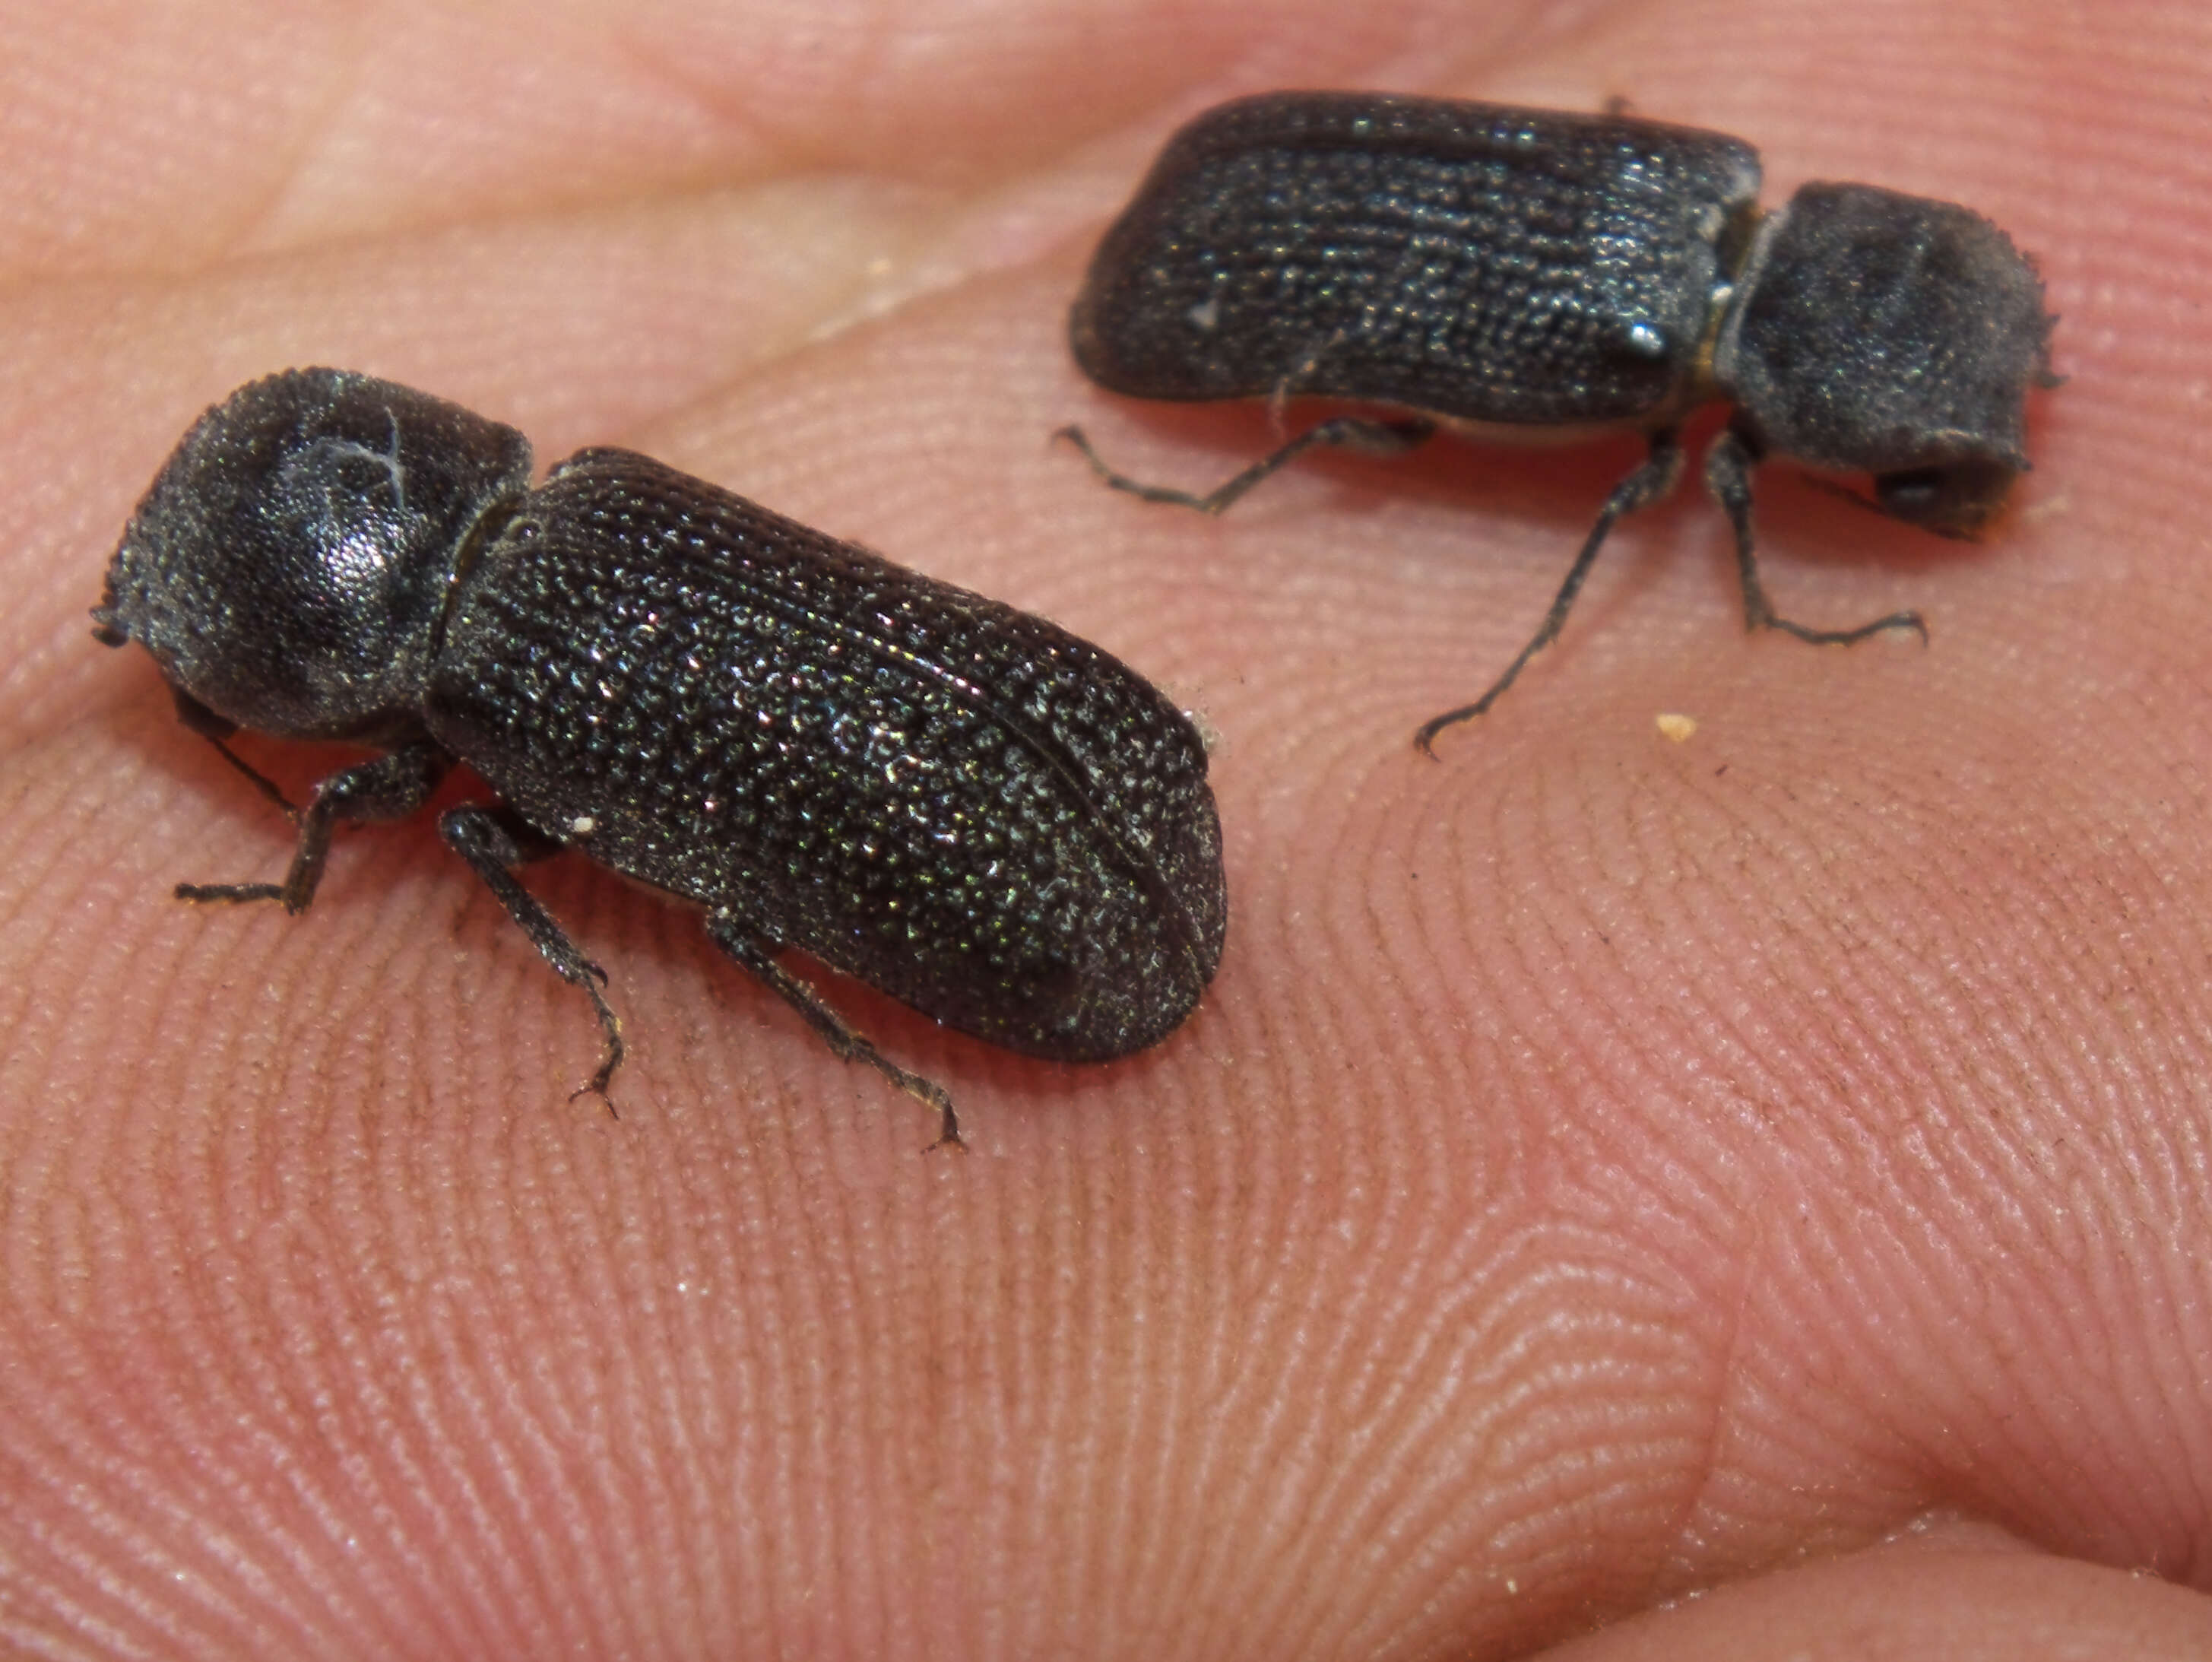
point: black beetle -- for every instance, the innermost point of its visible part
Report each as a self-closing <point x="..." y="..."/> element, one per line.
<point x="958" y="803"/>
<point x="1511" y="272"/>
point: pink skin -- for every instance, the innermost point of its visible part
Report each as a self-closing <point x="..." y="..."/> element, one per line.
<point x="1606" y="1168"/>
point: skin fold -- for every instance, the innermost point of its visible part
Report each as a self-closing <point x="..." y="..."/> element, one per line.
<point x="1741" y="1197"/>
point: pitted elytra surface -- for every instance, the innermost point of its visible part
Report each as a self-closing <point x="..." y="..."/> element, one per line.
<point x="1469" y="260"/>
<point x="902" y="776"/>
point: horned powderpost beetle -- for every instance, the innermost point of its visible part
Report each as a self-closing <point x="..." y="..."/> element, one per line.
<point x="1521" y="273"/>
<point x="963" y="806"/>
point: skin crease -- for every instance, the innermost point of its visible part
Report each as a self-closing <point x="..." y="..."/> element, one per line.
<point x="1772" y="1167"/>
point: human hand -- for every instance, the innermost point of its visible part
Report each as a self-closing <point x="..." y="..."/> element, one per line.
<point x="1604" y="1169"/>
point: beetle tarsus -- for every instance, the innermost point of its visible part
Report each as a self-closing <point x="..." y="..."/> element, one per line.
<point x="748" y="947"/>
<point x="1366" y="436"/>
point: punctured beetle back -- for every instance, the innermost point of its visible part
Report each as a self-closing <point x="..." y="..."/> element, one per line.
<point x="1491" y="266"/>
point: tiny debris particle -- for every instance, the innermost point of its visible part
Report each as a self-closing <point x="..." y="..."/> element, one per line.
<point x="1678" y="727"/>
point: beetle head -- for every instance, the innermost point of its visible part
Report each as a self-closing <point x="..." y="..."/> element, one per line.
<point x="1877" y="333"/>
<point x="289" y="566"/>
<point x="1956" y="499"/>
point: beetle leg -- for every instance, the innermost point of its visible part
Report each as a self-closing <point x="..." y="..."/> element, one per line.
<point x="744" y="943"/>
<point x="391" y="787"/>
<point x="1728" y="475"/>
<point x="218" y="732"/>
<point x="1362" y="434"/>
<point x="1652" y="479"/>
<point x="492" y="840"/>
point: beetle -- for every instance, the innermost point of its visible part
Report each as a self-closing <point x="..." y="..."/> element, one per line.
<point x="963" y="806"/>
<point x="1517" y="273"/>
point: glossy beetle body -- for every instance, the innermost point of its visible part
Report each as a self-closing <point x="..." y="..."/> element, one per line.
<point x="1515" y="272"/>
<point x="962" y="805"/>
